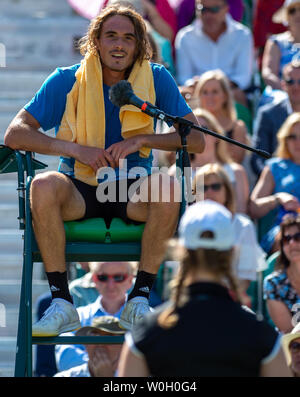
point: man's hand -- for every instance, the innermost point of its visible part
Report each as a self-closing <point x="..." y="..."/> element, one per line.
<point x="288" y="201"/>
<point x="100" y="364"/>
<point x="95" y="157"/>
<point x="122" y="149"/>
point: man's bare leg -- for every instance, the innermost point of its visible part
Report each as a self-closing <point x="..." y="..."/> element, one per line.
<point x="161" y="219"/>
<point x="54" y="199"/>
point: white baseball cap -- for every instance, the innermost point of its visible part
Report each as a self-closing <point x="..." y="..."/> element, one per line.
<point x="205" y="216"/>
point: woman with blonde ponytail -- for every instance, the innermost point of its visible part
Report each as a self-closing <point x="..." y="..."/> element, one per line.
<point x="202" y="330"/>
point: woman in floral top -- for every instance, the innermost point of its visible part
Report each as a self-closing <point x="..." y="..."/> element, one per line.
<point x="282" y="287"/>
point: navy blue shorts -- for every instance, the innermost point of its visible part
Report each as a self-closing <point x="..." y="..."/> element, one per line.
<point x="107" y="210"/>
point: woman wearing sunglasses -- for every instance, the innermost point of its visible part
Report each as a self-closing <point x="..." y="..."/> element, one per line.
<point x="216" y="152"/>
<point x="280" y="49"/>
<point x="277" y="191"/>
<point x="282" y="287"/>
<point x="211" y="182"/>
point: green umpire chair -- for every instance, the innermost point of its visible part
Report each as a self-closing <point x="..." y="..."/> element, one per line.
<point x="88" y="240"/>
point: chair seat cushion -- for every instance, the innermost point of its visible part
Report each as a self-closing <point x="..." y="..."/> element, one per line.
<point x="95" y="230"/>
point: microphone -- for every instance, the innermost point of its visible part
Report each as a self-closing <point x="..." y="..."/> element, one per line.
<point x="122" y="94"/>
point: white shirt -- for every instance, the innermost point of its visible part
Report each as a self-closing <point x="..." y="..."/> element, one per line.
<point x="233" y="52"/>
<point x="250" y="258"/>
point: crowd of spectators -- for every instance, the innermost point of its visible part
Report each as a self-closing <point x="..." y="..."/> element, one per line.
<point x="215" y="50"/>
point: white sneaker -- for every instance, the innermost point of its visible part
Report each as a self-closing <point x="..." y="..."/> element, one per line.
<point x="60" y="317"/>
<point x="134" y="310"/>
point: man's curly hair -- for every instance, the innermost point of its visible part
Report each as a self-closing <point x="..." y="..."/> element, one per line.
<point x="143" y="49"/>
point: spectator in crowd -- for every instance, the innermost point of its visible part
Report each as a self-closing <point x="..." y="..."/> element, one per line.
<point x="212" y="183"/>
<point x="112" y="280"/>
<point x="278" y="187"/>
<point x="175" y="340"/>
<point x="282" y="287"/>
<point x="214" y="94"/>
<point x="186" y="11"/>
<point x="83" y="289"/>
<point x="103" y="359"/>
<point x="280" y="49"/>
<point x="215" y="41"/>
<point x="291" y="348"/>
<point x="263" y="25"/>
<point x="115" y="48"/>
<point x="271" y="116"/>
<point x="216" y="152"/>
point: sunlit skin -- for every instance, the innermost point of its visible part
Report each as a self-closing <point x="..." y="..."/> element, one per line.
<point x="293" y="145"/>
<point x="214" y="24"/>
<point x="292" y="249"/>
<point x="111" y="290"/>
<point x="293" y="90"/>
<point x="101" y="352"/>
<point x="117" y="48"/>
<point x="212" y="96"/>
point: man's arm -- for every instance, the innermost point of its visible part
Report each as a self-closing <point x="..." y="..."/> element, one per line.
<point x="169" y="142"/>
<point x="23" y="134"/>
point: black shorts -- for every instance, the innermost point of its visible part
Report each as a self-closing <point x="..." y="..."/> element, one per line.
<point x="106" y="210"/>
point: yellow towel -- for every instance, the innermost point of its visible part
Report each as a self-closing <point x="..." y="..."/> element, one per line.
<point x="83" y="121"/>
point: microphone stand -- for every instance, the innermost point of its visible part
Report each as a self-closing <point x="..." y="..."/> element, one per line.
<point x="184" y="128"/>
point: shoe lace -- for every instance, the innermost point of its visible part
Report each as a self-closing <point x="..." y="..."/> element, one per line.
<point x="54" y="311"/>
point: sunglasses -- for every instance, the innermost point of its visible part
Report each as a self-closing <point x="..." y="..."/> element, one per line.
<point x="295" y="347"/>
<point x="292" y="137"/>
<point x="212" y="10"/>
<point x="287" y="238"/>
<point x="293" y="10"/>
<point x="118" y="278"/>
<point x="216" y="187"/>
<point x="292" y="81"/>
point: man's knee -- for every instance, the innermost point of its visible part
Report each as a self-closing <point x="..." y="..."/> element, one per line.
<point x="43" y="190"/>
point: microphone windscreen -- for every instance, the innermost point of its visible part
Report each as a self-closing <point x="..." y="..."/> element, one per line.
<point x="119" y="94"/>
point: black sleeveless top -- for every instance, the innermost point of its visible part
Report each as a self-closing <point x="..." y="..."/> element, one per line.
<point x="214" y="336"/>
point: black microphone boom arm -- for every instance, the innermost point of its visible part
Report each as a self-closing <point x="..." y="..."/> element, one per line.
<point x="122" y="94"/>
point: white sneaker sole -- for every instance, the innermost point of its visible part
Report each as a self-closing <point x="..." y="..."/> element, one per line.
<point x="66" y="328"/>
<point x="125" y="324"/>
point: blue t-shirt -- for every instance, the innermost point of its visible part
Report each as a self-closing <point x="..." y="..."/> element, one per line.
<point x="48" y="106"/>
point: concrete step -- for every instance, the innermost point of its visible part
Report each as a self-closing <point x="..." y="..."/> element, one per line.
<point x="11" y="266"/>
<point x="41" y="8"/>
<point x="20" y="81"/>
<point x="11" y="289"/>
<point x="7" y="356"/>
<point x="41" y="43"/>
<point x="8" y="191"/>
<point x="6" y="370"/>
<point x="8" y="216"/>
<point x="11" y="241"/>
<point x="13" y="105"/>
<point x="5" y="119"/>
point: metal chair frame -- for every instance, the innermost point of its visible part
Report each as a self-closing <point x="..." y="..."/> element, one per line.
<point x="25" y="165"/>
